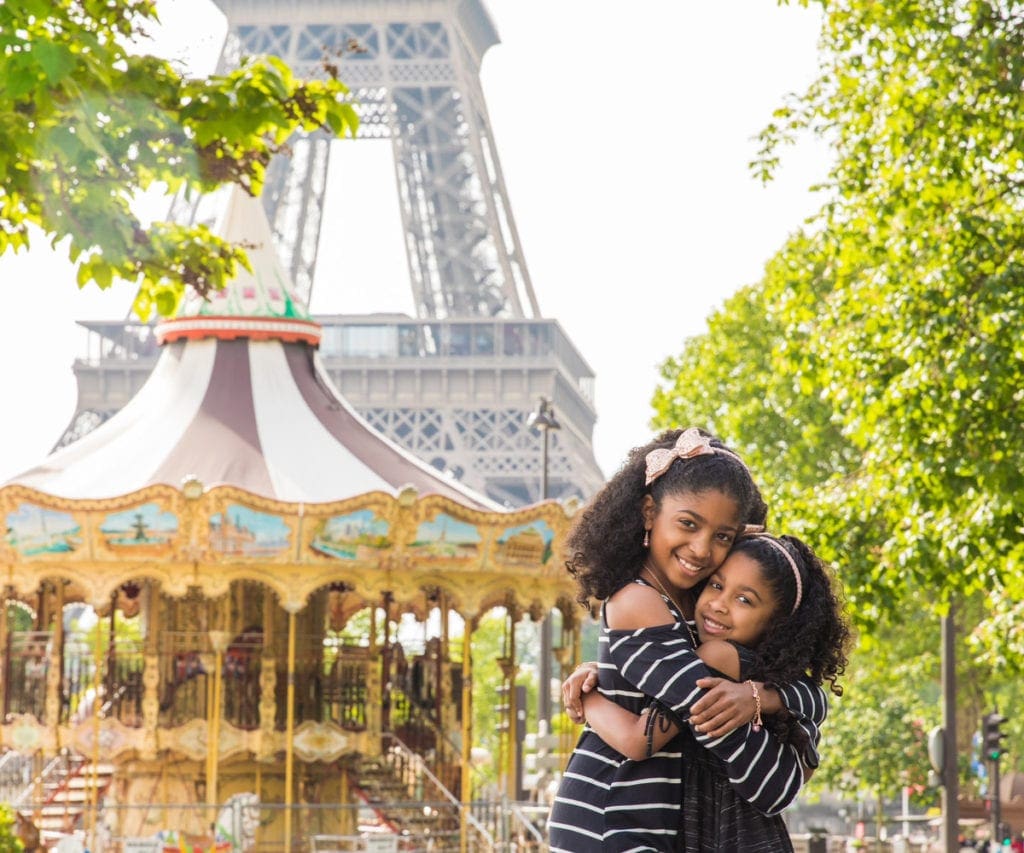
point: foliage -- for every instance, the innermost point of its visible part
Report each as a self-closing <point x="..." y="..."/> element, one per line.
<point x="913" y="324"/>
<point x="875" y="375"/>
<point x="9" y="840"/>
<point x="889" y="333"/>
<point x="880" y="724"/>
<point x="85" y="125"/>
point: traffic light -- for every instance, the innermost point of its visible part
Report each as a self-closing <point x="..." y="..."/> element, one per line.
<point x="991" y="736"/>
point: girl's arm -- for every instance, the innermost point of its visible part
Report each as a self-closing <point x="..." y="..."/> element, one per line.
<point x="661" y="662"/>
<point x="623" y="730"/>
<point x="719" y="711"/>
<point x="636" y="736"/>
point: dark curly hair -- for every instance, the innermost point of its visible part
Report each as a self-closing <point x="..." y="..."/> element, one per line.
<point x="811" y="641"/>
<point x="606" y="538"/>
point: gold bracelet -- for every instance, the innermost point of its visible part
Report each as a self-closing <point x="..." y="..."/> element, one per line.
<point x="757" y="722"/>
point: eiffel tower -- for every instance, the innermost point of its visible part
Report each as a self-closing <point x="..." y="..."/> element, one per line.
<point x="456" y="383"/>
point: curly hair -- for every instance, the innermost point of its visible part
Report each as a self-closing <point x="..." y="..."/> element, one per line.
<point x="814" y="639"/>
<point x="606" y="538"/>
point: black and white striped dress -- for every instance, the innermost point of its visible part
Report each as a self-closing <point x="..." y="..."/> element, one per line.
<point x="609" y="803"/>
<point x="715" y="817"/>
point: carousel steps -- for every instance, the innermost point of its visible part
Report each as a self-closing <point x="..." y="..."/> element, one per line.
<point x="67" y="796"/>
<point x="385" y="792"/>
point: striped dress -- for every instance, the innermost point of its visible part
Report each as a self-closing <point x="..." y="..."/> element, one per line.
<point x="609" y="803"/>
<point x="714" y="817"/>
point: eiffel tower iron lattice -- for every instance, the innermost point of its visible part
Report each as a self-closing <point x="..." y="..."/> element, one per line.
<point x="456" y="383"/>
<point x="414" y="72"/>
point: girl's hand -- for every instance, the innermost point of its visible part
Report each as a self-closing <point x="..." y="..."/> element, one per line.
<point x="726" y="706"/>
<point x="582" y="680"/>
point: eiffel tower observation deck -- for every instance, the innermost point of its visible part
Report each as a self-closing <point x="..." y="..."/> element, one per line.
<point x="457" y="382"/>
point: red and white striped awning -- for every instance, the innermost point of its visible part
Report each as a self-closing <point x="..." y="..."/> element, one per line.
<point x="234" y="400"/>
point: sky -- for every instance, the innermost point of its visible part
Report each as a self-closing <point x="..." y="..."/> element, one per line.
<point x="624" y="132"/>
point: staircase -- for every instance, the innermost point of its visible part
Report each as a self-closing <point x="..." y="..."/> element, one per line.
<point x="55" y="800"/>
<point x="403" y="797"/>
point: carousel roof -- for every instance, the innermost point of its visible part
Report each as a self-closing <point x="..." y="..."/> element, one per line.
<point x="240" y="397"/>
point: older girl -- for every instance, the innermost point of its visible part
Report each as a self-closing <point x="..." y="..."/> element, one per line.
<point x="657" y="530"/>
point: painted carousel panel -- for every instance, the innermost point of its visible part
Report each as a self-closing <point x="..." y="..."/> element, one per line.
<point x="37" y="531"/>
<point x="243" y="532"/>
<point x="446" y="538"/>
<point x="359" y="536"/>
<point x="529" y="543"/>
<point x="143" y="529"/>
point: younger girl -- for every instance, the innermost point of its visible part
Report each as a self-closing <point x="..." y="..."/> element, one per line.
<point x="768" y="612"/>
<point x="658" y="529"/>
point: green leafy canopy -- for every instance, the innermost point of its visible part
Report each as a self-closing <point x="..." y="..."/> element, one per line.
<point x="86" y="124"/>
<point x="874" y="377"/>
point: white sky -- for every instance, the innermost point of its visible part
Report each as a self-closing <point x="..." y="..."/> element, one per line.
<point x="624" y="131"/>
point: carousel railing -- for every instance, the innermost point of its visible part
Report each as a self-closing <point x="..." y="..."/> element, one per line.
<point x="16" y="773"/>
<point x="330" y="680"/>
<point x="416" y="723"/>
<point x="120" y="681"/>
<point x="186" y="660"/>
<point x="188" y="664"/>
<point x="343" y="694"/>
<point x="27" y="665"/>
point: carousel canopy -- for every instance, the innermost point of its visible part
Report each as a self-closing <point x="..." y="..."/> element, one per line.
<point x="239" y="397"/>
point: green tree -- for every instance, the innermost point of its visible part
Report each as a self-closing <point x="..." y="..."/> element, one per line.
<point x="874" y="376"/>
<point x="880" y="724"/>
<point x="86" y="124"/>
<point x="914" y="323"/>
<point x="890" y="330"/>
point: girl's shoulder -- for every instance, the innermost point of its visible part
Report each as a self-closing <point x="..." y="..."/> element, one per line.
<point x="636" y="605"/>
<point x="731" y="659"/>
<point x="722" y="656"/>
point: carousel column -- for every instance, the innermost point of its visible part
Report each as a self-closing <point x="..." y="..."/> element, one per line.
<point x="55" y="670"/>
<point x="268" y="682"/>
<point x="94" y="788"/>
<point x="219" y="640"/>
<point x="446" y="716"/>
<point x="374" y="686"/>
<point x="289" y="734"/>
<point x="568" y="655"/>
<point x="466" y="757"/>
<point x="509" y="670"/>
<point x="150" y="672"/>
<point x="5" y="646"/>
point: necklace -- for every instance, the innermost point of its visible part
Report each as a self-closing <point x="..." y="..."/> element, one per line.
<point x="670" y="597"/>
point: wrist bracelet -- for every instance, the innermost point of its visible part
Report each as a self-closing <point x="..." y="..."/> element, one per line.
<point x="757" y="722"/>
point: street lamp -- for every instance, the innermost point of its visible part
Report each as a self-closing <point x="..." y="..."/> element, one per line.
<point x="543" y="418"/>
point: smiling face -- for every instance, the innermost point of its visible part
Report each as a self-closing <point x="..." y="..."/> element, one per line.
<point x="737" y="603"/>
<point x="691" y="534"/>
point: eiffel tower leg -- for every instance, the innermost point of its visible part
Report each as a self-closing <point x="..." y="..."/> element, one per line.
<point x="293" y="198"/>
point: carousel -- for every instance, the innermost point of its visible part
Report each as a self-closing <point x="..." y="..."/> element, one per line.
<point x="212" y="594"/>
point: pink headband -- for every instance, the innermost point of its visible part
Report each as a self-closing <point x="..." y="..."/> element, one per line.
<point x="689" y="445"/>
<point x="778" y="546"/>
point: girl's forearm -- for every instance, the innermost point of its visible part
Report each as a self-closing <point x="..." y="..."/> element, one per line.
<point x="621" y="730"/>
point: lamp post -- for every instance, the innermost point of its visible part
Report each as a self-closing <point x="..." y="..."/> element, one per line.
<point x="543" y="419"/>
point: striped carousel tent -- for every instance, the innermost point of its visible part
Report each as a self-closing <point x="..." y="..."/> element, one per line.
<point x="239" y="397"/>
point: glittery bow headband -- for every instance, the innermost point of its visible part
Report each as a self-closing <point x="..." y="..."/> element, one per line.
<point x="778" y="546"/>
<point x="689" y="445"/>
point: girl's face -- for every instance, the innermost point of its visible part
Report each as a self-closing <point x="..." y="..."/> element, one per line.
<point x="691" y="534"/>
<point x="736" y="604"/>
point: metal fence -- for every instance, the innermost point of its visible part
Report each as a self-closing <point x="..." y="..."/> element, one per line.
<point x="252" y="827"/>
